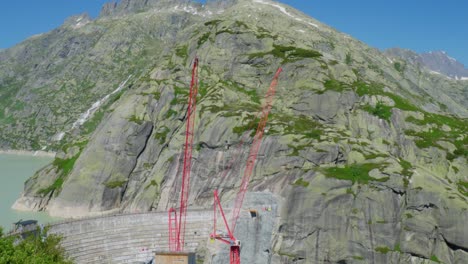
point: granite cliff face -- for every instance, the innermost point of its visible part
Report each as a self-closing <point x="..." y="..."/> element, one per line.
<point x="364" y="159"/>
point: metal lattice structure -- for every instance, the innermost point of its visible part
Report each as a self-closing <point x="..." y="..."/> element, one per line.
<point x="230" y="238"/>
<point x="177" y="228"/>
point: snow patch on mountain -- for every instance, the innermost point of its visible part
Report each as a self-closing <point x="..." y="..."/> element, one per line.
<point x="194" y="11"/>
<point x="284" y="11"/>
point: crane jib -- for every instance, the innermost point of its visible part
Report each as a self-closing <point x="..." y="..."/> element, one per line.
<point x="232" y="241"/>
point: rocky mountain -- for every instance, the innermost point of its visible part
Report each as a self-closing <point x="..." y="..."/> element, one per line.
<point x="439" y="62"/>
<point x="364" y="158"/>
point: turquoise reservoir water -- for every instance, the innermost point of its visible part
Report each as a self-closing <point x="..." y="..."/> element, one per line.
<point x="14" y="171"/>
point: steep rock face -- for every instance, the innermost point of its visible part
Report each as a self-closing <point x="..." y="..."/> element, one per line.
<point x="104" y="180"/>
<point x="48" y="82"/>
<point x="361" y="160"/>
<point x="436" y="61"/>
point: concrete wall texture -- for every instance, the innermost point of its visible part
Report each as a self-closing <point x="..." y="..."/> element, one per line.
<point x="128" y="238"/>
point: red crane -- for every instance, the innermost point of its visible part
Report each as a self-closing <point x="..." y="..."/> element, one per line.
<point x="230" y="239"/>
<point x="177" y="228"/>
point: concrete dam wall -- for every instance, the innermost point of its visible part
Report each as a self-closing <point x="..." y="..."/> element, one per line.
<point x="128" y="238"/>
<point x="132" y="238"/>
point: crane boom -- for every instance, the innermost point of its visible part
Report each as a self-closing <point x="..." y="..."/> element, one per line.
<point x="177" y="228"/>
<point x="234" y="255"/>
<point x="254" y="150"/>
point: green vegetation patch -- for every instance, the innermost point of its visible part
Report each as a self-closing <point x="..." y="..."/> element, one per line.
<point x="264" y="33"/>
<point x="397" y="248"/>
<point x="375" y="155"/>
<point x="383" y="250"/>
<point x="463" y="187"/>
<point x="288" y="53"/>
<point x="296" y="149"/>
<point x="248" y="104"/>
<point x="152" y="183"/>
<point x="180" y="95"/>
<point x="91" y="124"/>
<point x="427" y="138"/>
<point x="213" y="22"/>
<point x="135" y="119"/>
<point x="233" y="109"/>
<point x="363" y="88"/>
<point x="202" y="90"/>
<point x="182" y="51"/>
<point x="156" y="95"/>
<point x="407" y="167"/>
<point x="251" y="93"/>
<point x="440" y="120"/>
<point x="64" y="166"/>
<point x="375" y="68"/>
<point x="238" y="27"/>
<point x="162" y="134"/>
<point x="251" y="125"/>
<point x="291" y="125"/>
<point x="40" y="248"/>
<point x="380" y="110"/>
<point x="115" y="184"/>
<point x="301" y="182"/>
<point x="348" y="59"/>
<point x="456" y="135"/>
<point x="171" y="113"/>
<point x="402" y="103"/>
<point x="203" y="39"/>
<point x="335" y="85"/>
<point x="57" y="185"/>
<point x="356" y="173"/>
<point x="297" y="125"/>
<point x="435" y="259"/>
<point x="399" y="67"/>
<point x="374" y="88"/>
<point x="461" y="151"/>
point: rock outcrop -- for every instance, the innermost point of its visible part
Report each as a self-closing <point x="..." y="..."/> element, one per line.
<point x="364" y="158"/>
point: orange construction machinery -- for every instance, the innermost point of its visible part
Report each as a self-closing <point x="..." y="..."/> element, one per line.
<point x="230" y="239"/>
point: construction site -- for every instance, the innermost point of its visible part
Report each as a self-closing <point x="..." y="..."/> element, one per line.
<point x="235" y="131"/>
<point x="185" y="235"/>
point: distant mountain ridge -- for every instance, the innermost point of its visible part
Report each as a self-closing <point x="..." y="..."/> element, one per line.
<point x="436" y="61"/>
<point x="124" y="7"/>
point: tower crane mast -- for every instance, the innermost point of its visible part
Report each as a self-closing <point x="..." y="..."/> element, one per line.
<point x="177" y="226"/>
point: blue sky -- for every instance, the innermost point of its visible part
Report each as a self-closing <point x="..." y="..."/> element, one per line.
<point x="417" y="25"/>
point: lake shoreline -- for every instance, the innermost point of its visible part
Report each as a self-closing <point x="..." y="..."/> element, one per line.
<point x="16" y="167"/>
<point x="37" y="153"/>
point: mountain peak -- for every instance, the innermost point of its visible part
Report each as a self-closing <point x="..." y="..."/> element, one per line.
<point x="436" y="61"/>
<point x="439" y="61"/>
<point x="78" y="20"/>
<point x="132" y="6"/>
